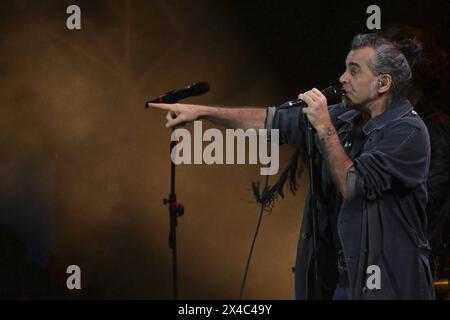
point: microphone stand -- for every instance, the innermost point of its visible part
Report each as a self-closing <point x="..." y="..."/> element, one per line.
<point x="175" y="210"/>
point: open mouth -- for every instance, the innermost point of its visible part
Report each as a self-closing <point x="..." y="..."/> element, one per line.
<point x="347" y="97"/>
<point x="346" y="94"/>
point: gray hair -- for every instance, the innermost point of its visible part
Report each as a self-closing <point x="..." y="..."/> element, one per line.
<point x="388" y="59"/>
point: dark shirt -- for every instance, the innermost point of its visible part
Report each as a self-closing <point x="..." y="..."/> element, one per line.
<point x="383" y="222"/>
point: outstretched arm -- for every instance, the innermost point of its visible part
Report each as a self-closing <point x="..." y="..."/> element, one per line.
<point x="244" y="118"/>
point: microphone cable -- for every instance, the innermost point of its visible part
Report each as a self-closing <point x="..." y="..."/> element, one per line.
<point x="261" y="213"/>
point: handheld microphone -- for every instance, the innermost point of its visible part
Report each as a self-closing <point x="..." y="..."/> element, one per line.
<point x="174" y="96"/>
<point x="332" y="93"/>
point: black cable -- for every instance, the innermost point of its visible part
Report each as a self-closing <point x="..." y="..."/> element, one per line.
<point x="263" y="205"/>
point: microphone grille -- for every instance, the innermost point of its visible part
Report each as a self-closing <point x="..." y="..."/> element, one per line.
<point x="333" y="94"/>
<point x="199" y="88"/>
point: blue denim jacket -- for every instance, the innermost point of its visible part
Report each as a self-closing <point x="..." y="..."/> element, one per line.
<point x="383" y="222"/>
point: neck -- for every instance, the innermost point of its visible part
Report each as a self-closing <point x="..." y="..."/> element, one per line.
<point x="375" y="107"/>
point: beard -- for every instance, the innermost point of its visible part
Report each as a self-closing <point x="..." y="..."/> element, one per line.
<point x="349" y="105"/>
<point x="346" y="103"/>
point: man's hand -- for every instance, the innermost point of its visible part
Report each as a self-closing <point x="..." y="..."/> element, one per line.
<point x="179" y="114"/>
<point x="338" y="160"/>
<point x="317" y="110"/>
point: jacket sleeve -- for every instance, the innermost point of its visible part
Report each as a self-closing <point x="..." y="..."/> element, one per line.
<point x="291" y="127"/>
<point x="399" y="159"/>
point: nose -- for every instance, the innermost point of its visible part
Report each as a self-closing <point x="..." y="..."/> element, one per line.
<point x="343" y="78"/>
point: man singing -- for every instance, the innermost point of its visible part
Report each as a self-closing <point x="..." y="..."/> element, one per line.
<point x="371" y="169"/>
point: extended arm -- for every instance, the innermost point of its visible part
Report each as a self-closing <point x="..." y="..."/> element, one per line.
<point x="244" y="118"/>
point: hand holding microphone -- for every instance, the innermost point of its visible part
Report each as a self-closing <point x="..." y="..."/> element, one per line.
<point x="316" y="110"/>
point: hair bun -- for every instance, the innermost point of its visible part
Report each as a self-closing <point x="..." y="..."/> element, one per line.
<point x="411" y="48"/>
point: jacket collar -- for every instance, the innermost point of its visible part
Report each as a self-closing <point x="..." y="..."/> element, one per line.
<point x="349" y="116"/>
<point x="393" y="113"/>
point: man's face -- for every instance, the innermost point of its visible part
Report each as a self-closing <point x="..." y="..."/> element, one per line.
<point x="359" y="83"/>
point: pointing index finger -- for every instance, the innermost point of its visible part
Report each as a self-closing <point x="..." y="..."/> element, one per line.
<point x="161" y="106"/>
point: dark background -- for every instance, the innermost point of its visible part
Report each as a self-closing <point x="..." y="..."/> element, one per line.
<point x="84" y="167"/>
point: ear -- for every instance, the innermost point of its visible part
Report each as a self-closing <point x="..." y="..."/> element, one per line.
<point x="384" y="83"/>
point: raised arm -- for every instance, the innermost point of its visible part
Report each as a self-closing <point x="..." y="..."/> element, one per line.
<point x="244" y="118"/>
